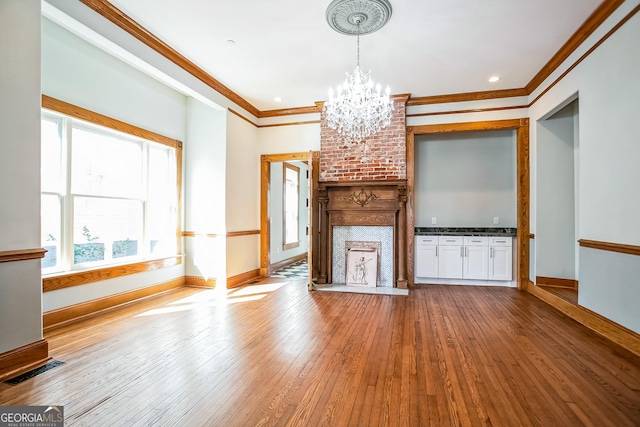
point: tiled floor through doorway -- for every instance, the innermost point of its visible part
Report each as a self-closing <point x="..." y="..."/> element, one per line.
<point x="296" y="270"/>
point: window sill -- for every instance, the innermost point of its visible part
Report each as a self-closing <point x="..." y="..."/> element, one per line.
<point x="77" y="278"/>
<point x="292" y="245"/>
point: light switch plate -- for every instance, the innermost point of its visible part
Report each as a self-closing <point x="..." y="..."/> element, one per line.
<point x="433" y="221"/>
<point x="496" y="219"/>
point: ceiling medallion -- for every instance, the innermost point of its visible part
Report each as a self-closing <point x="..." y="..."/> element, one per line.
<point x="357" y="111"/>
<point x="344" y="16"/>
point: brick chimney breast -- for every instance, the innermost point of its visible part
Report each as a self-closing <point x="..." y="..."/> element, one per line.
<point x="382" y="156"/>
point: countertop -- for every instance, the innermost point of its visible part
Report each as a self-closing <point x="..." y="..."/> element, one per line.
<point x="465" y="231"/>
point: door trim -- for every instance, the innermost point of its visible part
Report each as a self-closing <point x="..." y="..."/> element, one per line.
<point x="265" y="180"/>
<point x="521" y="126"/>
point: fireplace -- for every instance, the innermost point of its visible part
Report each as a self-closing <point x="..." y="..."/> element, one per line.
<point x="363" y="211"/>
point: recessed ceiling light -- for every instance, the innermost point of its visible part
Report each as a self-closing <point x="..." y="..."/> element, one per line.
<point x="277" y="99"/>
<point x="493" y="79"/>
<point x="231" y="42"/>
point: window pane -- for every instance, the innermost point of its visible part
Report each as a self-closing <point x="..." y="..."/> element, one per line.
<point x="162" y="182"/>
<point x="51" y="150"/>
<point x="50" y="219"/>
<point x="103" y="165"/>
<point x="291" y="196"/>
<point x="161" y="221"/>
<point x="162" y="229"/>
<point x="106" y="229"/>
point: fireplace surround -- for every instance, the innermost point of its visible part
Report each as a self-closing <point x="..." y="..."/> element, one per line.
<point x="363" y="203"/>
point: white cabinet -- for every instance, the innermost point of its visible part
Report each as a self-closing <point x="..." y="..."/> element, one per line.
<point x="500" y="258"/>
<point x="476" y="258"/>
<point x="426" y="256"/>
<point x="463" y="260"/>
<point x="450" y="257"/>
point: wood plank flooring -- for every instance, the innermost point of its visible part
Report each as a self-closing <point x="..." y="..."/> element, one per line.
<point x="276" y="354"/>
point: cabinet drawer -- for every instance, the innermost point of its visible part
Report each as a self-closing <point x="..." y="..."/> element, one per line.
<point x="450" y="240"/>
<point x="476" y="241"/>
<point x="500" y="241"/>
<point x="426" y="240"/>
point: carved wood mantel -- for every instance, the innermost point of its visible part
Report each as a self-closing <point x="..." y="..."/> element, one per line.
<point x="368" y="203"/>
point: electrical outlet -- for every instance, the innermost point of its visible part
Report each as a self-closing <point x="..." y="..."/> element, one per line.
<point x="496" y="219"/>
<point x="433" y="221"/>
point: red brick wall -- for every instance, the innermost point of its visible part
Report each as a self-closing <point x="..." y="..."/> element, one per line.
<point x="383" y="157"/>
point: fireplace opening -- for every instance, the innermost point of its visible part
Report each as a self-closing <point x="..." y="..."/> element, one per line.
<point x="373" y="243"/>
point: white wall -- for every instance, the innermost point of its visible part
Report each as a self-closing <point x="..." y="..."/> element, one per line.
<point x="77" y="72"/>
<point x="205" y="190"/>
<point x="608" y="83"/>
<point x="556" y="243"/>
<point x="609" y="285"/>
<point x="609" y="105"/>
<point x="242" y="196"/>
<point x="109" y="37"/>
<point x="20" y="283"/>
<point x="276" y="213"/>
<point x="289" y="139"/>
<point x="465" y="179"/>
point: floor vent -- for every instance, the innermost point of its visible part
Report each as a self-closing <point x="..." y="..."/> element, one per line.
<point x="32" y="373"/>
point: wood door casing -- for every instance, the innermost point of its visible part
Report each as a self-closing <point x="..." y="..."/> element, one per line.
<point x="265" y="179"/>
<point x="521" y="126"/>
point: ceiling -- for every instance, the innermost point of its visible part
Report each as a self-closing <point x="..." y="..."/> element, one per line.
<point x="286" y="48"/>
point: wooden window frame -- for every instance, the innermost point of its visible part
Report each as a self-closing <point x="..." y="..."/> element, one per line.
<point x="99" y="273"/>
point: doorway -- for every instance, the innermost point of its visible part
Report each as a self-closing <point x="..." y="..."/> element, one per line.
<point x="279" y="245"/>
<point x="556" y="247"/>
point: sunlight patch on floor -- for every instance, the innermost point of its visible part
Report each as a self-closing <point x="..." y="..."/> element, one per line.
<point x="216" y="298"/>
<point x="256" y="289"/>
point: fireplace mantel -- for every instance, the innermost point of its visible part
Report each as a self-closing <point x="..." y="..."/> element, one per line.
<point x="363" y="203"/>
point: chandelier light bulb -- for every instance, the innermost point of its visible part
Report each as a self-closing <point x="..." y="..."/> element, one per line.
<point x="358" y="111"/>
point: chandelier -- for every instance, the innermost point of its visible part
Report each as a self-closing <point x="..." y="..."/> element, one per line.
<point x="358" y="111"/>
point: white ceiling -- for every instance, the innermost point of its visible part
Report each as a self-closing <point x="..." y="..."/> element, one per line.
<point x="286" y="48"/>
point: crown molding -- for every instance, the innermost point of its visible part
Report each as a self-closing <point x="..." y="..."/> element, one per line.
<point x="592" y="23"/>
<point x="119" y="18"/>
<point x="469" y="96"/>
<point x="290" y="111"/>
<point x="122" y="20"/>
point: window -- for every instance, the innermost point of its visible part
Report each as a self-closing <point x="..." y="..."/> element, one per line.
<point x="291" y="196"/>
<point x="107" y="197"/>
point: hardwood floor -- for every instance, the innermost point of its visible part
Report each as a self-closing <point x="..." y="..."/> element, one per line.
<point x="276" y="354"/>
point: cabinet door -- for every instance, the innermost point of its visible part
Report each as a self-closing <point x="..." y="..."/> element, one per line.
<point x="426" y="261"/>
<point x="500" y="263"/>
<point x="476" y="262"/>
<point x="450" y="262"/>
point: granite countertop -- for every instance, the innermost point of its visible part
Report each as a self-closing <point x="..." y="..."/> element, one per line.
<point x="465" y="231"/>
